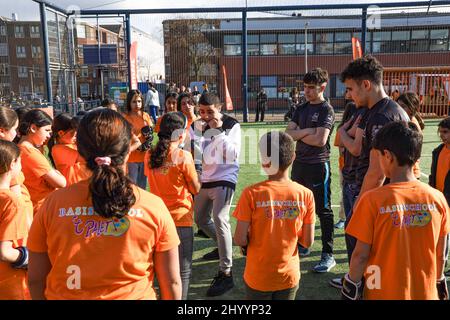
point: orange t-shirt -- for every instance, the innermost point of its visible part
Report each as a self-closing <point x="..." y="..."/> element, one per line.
<point x="69" y="162"/>
<point x="443" y="166"/>
<point x="34" y="167"/>
<point x="137" y="123"/>
<point x="170" y="182"/>
<point x="277" y="212"/>
<point x="402" y="222"/>
<point x="158" y="124"/>
<point x="112" y="257"/>
<point x="25" y="197"/>
<point x="13" y="227"/>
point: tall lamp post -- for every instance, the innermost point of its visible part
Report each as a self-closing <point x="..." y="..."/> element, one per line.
<point x="31" y="71"/>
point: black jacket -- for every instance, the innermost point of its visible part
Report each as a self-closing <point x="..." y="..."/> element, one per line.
<point x="432" y="178"/>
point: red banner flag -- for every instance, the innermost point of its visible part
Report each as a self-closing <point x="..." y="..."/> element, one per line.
<point x="356" y="46"/>
<point x="133" y="65"/>
<point x="228" y="101"/>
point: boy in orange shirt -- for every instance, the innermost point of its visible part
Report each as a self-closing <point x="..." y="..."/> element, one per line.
<point x="273" y="217"/>
<point x="13" y="228"/>
<point x="400" y="227"/>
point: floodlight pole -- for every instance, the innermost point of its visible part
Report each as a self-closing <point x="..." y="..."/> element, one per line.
<point x="128" y="26"/>
<point x="48" y="75"/>
<point x="363" y="30"/>
<point x="244" y="67"/>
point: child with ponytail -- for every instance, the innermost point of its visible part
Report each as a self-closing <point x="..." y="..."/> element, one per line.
<point x="40" y="177"/>
<point x="172" y="176"/>
<point x="63" y="150"/>
<point x="13" y="228"/>
<point x="103" y="238"/>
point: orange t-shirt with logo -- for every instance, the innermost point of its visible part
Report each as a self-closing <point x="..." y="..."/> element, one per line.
<point x="277" y="212"/>
<point x="25" y="196"/>
<point x="443" y="166"/>
<point x="69" y="162"/>
<point x="13" y="227"/>
<point x="158" y="124"/>
<point x="34" y="166"/>
<point x="170" y="182"/>
<point x="402" y="222"/>
<point x="112" y="258"/>
<point x="138" y="122"/>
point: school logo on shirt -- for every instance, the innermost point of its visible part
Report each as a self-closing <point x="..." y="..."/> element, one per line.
<point x="282" y="213"/>
<point x="315" y="117"/>
<point x="115" y="227"/>
<point x="409" y="215"/>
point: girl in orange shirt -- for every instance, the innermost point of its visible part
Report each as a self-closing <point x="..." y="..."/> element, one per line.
<point x="63" y="150"/>
<point x="138" y="119"/>
<point x="170" y="105"/>
<point x="40" y="177"/>
<point x="103" y="238"/>
<point x="13" y="229"/>
<point x="9" y="121"/>
<point x="186" y="105"/>
<point x="172" y="176"/>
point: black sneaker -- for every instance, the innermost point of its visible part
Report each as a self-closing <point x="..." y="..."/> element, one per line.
<point x="336" y="283"/>
<point x="202" y="234"/>
<point x="213" y="255"/>
<point x="221" y="284"/>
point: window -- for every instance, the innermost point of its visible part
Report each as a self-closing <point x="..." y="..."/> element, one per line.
<point x="84" y="90"/>
<point x="81" y="31"/>
<point x="3" y="49"/>
<point x="35" y="33"/>
<point x="23" y="90"/>
<point x="80" y="51"/>
<point x="324" y="43"/>
<point x="268" y="45"/>
<point x="36" y="52"/>
<point x="20" y="52"/>
<point x="232" y="45"/>
<point x="286" y="44"/>
<point x="381" y="41"/>
<point x="439" y="40"/>
<point x="300" y="46"/>
<point x="4" y="69"/>
<point x="19" y="32"/>
<point x="22" y="72"/>
<point x="343" y="43"/>
<point x="340" y="88"/>
<point x="270" y="86"/>
<point x="2" y="30"/>
<point x="400" y="41"/>
<point x="419" y="41"/>
<point x="37" y="72"/>
<point x="84" y="72"/>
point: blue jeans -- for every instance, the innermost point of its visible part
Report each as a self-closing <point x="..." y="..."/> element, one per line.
<point x="350" y="194"/>
<point x="154" y="113"/>
<point x="136" y="174"/>
<point x="185" y="251"/>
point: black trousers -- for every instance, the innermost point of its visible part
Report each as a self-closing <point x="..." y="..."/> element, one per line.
<point x="262" y="109"/>
<point x="317" y="178"/>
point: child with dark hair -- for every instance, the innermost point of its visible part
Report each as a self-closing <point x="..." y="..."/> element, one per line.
<point x="400" y="227"/>
<point x="138" y="119"/>
<point x="172" y="176"/>
<point x="63" y="150"/>
<point x="216" y="138"/>
<point x="21" y="111"/>
<point x="13" y="228"/>
<point x="103" y="238"/>
<point x="185" y="104"/>
<point x="170" y="105"/>
<point x="311" y="127"/>
<point x="273" y="217"/>
<point x="9" y="123"/>
<point x="40" y="177"/>
<point x="110" y="104"/>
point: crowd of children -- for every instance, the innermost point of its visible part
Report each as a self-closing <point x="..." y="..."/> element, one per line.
<point x="77" y="221"/>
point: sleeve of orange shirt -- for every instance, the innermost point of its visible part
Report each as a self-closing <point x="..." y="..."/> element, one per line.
<point x="146" y="167"/>
<point x="37" y="238"/>
<point x="245" y="207"/>
<point x="362" y="223"/>
<point x="13" y="226"/>
<point x="158" y="124"/>
<point x="168" y="236"/>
